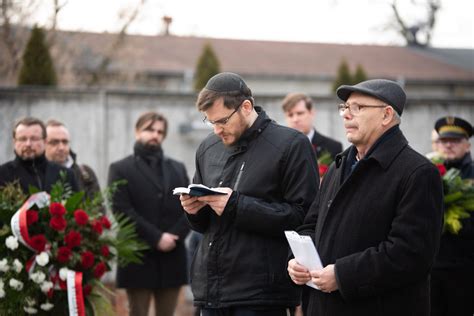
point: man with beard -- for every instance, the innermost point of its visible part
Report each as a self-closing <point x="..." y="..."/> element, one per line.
<point x="270" y="175"/>
<point x="59" y="151"/>
<point x="147" y="200"/>
<point x="30" y="166"/>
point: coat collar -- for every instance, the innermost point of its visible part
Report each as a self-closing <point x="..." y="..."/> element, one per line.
<point x="384" y="151"/>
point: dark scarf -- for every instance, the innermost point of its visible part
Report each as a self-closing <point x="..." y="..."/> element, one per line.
<point x="152" y="155"/>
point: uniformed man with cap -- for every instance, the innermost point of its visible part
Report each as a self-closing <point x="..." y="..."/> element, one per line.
<point x="452" y="278"/>
<point x="377" y="220"/>
<point x="454" y="145"/>
<point x="270" y="175"/>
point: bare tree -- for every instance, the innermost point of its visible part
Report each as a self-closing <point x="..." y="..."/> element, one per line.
<point x="118" y="41"/>
<point x="417" y="33"/>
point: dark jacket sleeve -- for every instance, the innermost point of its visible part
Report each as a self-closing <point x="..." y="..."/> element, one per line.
<point x="410" y="248"/>
<point x="299" y="184"/>
<point x="71" y="179"/>
<point x="121" y="203"/>
<point x="181" y="228"/>
<point x="199" y="221"/>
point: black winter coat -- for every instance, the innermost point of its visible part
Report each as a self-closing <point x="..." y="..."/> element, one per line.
<point x="242" y="258"/>
<point x="149" y="202"/>
<point x="381" y="228"/>
<point x="39" y="173"/>
<point x="322" y="143"/>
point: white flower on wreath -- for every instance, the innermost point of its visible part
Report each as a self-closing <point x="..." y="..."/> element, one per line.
<point x="11" y="242"/>
<point x="4" y="265"/>
<point x="30" y="310"/>
<point x="63" y="273"/>
<point x="2" y="289"/>
<point x="46" y="306"/>
<point x="46" y="286"/>
<point x="42" y="259"/>
<point x="38" y="277"/>
<point x="30" y="301"/>
<point x="17" y="265"/>
<point x="15" y="284"/>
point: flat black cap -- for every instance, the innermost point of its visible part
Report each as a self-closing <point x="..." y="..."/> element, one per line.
<point x="453" y="127"/>
<point x="387" y="91"/>
<point x="228" y="82"/>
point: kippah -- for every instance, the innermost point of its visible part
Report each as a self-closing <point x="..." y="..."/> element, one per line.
<point x="227" y="82"/>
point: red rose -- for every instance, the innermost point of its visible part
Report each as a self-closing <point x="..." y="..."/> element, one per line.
<point x="57" y="209"/>
<point x="38" y="242"/>
<point x="31" y="217"/>
<point x="62" y="284"/>
<point x="104" y="250"/>
<point x="58" y="223"/>
<point x="50" y="293"/>
<point x="64" y="254"/>
<point x="87" y="259"/>
<point x="87" y="289"/>
<point x="72" y="239"/>
<point x="105" y="222"/>
<point x="99" y="270"/>
<point x="97" y="226"/>
<point x="81" y="217"/>
<point x="323" y="169"/>
<point x="441" y="168"/>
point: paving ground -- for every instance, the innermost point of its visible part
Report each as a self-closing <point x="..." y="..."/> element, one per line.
<point x="184" y="307"/>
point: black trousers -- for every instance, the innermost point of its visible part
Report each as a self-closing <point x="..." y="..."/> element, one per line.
<point x="246" y="311"/>
<point x="452" y="292"/>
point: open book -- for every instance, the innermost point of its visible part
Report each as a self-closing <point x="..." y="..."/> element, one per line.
<point x="305" y="252"/>
<point x="198" y="190"/>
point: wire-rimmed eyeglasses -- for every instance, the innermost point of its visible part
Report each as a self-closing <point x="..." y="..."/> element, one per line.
<point x="354" y="108"/>
<point x="222" y="121"/>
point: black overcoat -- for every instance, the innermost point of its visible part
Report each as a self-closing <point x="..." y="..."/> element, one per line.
<point x="381" y="228"/>
<point x="149" y="202"/>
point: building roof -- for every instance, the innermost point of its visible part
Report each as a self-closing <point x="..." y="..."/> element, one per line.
<point x="155" y="55"/>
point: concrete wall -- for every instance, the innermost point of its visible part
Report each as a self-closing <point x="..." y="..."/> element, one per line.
<point x="102" y="122"/>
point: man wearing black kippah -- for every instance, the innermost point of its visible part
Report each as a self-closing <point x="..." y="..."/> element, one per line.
<point x="452" y="278"/>
<point x="377" y="219"/>
<point x="270" y="175"/>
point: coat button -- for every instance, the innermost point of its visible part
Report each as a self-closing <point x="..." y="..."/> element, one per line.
<point x="329" y="203"/>
<point x="210" y="244"/>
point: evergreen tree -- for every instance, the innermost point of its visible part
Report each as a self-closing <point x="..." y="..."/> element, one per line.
<point x="37" y="67"/>
<point x="343" y="75"/>
<point x="359" y="75"/>
<point x="207" y="66"/>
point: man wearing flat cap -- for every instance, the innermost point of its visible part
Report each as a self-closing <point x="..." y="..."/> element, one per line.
<point x="377" y="219"/>
<point x="270" y="175"/>
<point x="452" y="278"/>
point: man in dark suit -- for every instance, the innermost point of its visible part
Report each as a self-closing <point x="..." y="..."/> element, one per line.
<point x="147" y="199"/>
<point x="377" y="219"/>
<point x="58" y="150"/>
<point x="30" y="166"/>
<point x="299" y="114"/>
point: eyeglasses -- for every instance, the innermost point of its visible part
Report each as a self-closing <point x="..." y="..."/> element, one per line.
<point x="26" y="139"/>
<point x="354" y="108"/>
<point x="222" y="121"/>
<point x="55" y="142"/>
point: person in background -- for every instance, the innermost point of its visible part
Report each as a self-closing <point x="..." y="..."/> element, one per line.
<point x="452" y="278"/>
<point x="270" y="175"/>
<point x="299" y="114"/>
<point x="147" y="200"/>
<point x="58" y="150"/>
<point x="377" y="220"/>
<point x="30" y="166"/>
